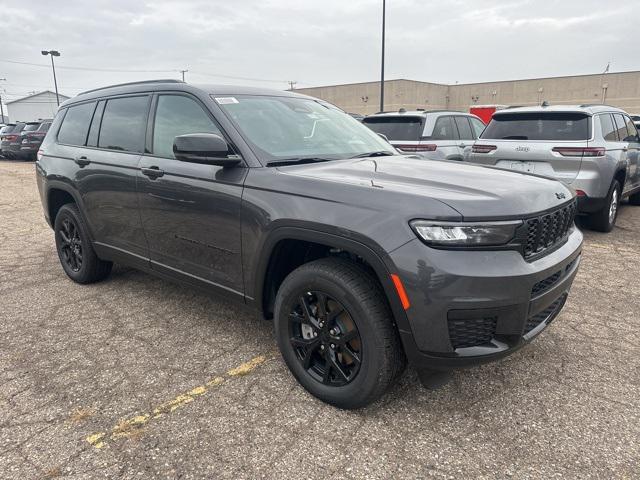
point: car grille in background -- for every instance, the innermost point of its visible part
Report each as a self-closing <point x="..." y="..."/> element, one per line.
<point x="545" y="315"/>
<point x="548" y="230"/>
<point x="471" y="332"/>
<point x="545" y="284"/>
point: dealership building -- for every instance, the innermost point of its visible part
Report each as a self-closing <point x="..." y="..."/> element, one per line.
<point x="618" y="89"/>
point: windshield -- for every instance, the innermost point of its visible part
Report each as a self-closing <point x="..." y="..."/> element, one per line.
<point x="286" y="128"/>
<point x="396" y="128"/>
<point x="538" y="126"/>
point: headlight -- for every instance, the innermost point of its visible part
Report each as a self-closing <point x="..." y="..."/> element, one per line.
<point x="465" y="234"/>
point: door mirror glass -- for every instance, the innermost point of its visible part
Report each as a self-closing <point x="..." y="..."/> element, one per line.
<point x="207" y="148"/>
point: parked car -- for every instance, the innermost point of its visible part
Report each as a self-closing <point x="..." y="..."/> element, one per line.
<point x="10" y="143"/>
<point x="434" y="135"/>
<point x="362" y="257"/>
<point x="32" y="139"/>
<point x="593" y="148"/>
<point x="636" y="120"/>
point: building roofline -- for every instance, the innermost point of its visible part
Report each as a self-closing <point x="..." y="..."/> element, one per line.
<point x="475" y="83"/>
<point x="35" y="95"/>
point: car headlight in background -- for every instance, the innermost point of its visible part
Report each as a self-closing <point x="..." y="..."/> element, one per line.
<point x="460" y="234"/>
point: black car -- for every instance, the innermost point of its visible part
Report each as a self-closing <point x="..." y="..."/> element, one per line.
<point x="11" y="143"/>
<point x="362" y="257"/>
<point x="32" y="138"/>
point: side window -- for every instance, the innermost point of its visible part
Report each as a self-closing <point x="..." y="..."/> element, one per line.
<point x="477" y="126"/>
<point x="632" y="133"/>
<point x="608" y="129"/>
<point x="444" y="129"/>
<point x="178" y="115"/>
<point x="92" y="141"/>
<point x="621" y="127"/>
<point x="463" y="128"/>
<point x="124" y="123"/>
<point x="75" y="124"/>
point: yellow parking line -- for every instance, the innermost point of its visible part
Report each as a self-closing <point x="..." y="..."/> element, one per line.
<point x="133" y="426"/>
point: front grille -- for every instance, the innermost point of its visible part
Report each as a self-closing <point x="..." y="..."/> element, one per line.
<point x="547" y="283"/>
<point x="546" y="231"/>
<point x="471" y="332"/>
<point x="545" y="315"/>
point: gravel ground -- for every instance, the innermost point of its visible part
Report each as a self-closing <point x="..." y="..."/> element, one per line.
<point x="136" y="377"/>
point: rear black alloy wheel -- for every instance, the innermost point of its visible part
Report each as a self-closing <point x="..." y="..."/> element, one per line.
<point x="71" y="244"/>
<point x="325" y="339"/>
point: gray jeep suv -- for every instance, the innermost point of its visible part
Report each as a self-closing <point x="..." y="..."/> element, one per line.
<point x="593" y="148"/>
<point x="363" y="258"/>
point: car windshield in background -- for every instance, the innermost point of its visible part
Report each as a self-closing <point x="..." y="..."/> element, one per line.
<point x="538" y="126"/>
<point x="396" y="128"/>
<point x="288" y="128"/>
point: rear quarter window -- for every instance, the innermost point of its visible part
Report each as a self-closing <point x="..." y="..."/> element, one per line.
<point x="555" y="126"/>
<point x="396" y="128"/>
<point x="75" y="124"/>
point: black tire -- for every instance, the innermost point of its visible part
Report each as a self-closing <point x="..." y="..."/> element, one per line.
<point x="77" y="257"/>
<point x="634" y="199"/>
<point x="381" y="358"/>
<point x="605" y="219"/>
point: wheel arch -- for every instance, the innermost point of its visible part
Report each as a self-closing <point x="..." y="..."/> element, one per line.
<point x="371" y="254"/>
<point x="59" y="194"/>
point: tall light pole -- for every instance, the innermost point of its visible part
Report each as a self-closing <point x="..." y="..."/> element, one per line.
<point x="1" y="107"/>
<point x="53" y="53"/>
<point x="183" y="72"/>
<point x="384" y="7"/>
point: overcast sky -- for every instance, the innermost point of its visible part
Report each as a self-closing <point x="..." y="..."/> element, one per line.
<point x="268" y="42"/>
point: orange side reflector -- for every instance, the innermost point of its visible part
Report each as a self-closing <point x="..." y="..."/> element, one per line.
<point x="401" y="292"/>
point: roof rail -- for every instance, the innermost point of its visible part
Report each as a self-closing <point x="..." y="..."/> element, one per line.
<point x="141" y="82"/>
<point x="587" y="105"/>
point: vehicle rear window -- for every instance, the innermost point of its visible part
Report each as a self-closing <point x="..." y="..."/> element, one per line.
<point x="7" y="129"/>
<point x="31" y="127"/>
<point x="75" y="124"/>
<point x="538" y="126"/>
<point x="396" y="128"/>
<point x="124" y="123"/>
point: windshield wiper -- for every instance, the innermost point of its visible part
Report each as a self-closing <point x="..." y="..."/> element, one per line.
<point x="380" y="153"/>
<point x="297" y="161"/>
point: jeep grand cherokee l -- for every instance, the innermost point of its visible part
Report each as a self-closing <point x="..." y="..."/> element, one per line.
<point x="363" y="258"/>
<point x="593" y="148"/>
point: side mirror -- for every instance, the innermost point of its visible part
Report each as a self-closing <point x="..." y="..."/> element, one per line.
<point x="208" y="148"/>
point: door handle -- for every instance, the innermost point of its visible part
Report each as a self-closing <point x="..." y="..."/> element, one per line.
<point x="152" y="172"/>
<point x="82" y="161"/>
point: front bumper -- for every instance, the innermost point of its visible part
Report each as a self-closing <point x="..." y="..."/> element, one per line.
<point x="471" y="307"/>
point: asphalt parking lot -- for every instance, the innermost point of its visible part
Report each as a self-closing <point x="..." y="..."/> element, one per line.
<point x="139" y="378"/>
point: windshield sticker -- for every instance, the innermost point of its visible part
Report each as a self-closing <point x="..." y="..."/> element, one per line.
<point x="226" y="100"/>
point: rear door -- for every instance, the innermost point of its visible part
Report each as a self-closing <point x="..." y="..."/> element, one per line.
<point x="190" y="211"/>
<point x="465" y="132"/>
<point x="541" y="142"/>
<point x="107" y="166"/>
<point x="629" y="138"/>
<point x="441" y="131"/>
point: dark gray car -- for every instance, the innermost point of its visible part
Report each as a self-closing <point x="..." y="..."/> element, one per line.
<point x="363" y="258"/>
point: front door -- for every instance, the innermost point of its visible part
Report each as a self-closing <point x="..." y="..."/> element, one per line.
<point x="190" y="211"/>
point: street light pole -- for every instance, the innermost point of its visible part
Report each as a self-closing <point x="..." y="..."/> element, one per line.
<point x="382" y="66"/>
<point x="53" y="53"/>
<point x="1" y="107"/>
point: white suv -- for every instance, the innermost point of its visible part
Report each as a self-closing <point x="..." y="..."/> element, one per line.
<point x="434" y="134"/>
<point x="593" y="148"/>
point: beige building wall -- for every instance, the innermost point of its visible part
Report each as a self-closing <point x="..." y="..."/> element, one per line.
<point x="618" y="89"/>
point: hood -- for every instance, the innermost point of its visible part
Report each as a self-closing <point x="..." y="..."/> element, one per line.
<point x="475" y="192"/>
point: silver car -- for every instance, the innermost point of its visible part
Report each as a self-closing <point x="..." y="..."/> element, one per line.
<point x="593" y="148"/>
<point x="434" y="134"/>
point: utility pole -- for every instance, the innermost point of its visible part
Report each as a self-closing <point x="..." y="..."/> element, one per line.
<point x="53" y="53"/>
<point x="292" y="84"/>
<point x="183" y="72"/>
<point x="1" y="107"/>
<point x="382" y="66"/>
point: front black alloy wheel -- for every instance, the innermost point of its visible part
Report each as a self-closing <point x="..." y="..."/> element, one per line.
<point x="325" y="338"/>
<point x="336" y="332"/>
